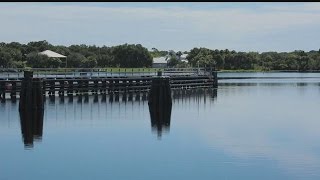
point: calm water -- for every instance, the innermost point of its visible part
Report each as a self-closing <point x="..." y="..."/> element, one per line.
<point x="247" y="129"/>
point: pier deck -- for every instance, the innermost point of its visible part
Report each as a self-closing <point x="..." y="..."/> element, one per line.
<point x="105" y="83"/>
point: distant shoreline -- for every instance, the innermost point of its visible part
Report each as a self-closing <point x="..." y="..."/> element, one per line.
<point x="267" y="71"/>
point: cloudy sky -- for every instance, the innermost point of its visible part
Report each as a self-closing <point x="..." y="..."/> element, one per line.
<point x="179" y="26"/>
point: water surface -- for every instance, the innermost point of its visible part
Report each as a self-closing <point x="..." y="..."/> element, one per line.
<point x="247" y="129"/>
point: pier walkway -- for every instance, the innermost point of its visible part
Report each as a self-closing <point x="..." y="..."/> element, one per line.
<point x="82" y="81"/>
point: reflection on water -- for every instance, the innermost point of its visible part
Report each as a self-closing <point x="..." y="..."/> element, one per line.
<point x="269" y="130"/>
<point x="32" y="128"/>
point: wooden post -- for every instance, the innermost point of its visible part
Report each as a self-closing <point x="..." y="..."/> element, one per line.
<point x="215" y="79"/>
<point x="61" y="90"/>
<point x="138" y="96"/>
<point x="96" y="98"/>
<point x="13" y="90"/>
<point x="31" y="108"/>
<point x="70" y="87"/>
<point x="160" y="103"/>
<point x="104" y="86"/>
<point x="2" y="90"/>
<point x="124" y="97"/>
<point x="86" y="98"/>
<point x="52" y="88"/>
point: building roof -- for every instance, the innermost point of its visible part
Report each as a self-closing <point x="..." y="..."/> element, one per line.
<point x="184" y="56"/>
<point x="52" y="54"/>
<point x="160" y="59"/>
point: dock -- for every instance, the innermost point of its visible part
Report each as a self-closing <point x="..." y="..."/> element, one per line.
<point x="94" y="81"/>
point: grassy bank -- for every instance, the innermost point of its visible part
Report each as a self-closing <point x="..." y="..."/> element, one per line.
<point x="243" y="70"/>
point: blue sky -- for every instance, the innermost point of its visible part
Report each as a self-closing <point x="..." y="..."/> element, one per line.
<point x="172" y="25"/>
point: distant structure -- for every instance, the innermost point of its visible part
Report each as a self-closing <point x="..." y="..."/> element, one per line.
<point x="183" y="58"/>
<point x="52" y="54"/>
<point x="162" y="62"/>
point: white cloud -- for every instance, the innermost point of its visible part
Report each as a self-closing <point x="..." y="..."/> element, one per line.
<point x="234" y="24"/>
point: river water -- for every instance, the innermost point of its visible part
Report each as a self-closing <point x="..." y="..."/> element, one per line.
<point x="247" y="129"/>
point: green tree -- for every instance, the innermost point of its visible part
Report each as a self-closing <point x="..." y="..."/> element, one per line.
<point x="75" y="60"/>
<point x="173" y="61"/>
<point x="89" y="62"/>
<point x="37" y="60"/>
<point x="131" y="55"/>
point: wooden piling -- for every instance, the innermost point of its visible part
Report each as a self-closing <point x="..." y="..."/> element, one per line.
<point x="215" y="79"/>
<point x="160" y="103"/>
<point x="2" y="90"/>
<point x="31" y="108"/>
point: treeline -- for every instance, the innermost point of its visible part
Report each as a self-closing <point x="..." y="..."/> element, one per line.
<point x="232" y="60"/>
<point x="16" y="55"/>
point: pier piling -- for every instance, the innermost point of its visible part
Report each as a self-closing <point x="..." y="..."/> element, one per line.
<point x="160" y="102"/>
<point x="31" y="108"/>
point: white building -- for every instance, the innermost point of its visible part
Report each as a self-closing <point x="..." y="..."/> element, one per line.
<point x="52" y="54"/>
<point x="160" y="62"/>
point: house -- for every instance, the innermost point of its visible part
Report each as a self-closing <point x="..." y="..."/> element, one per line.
<point x="52" y="54"/>
<point x="160" y="62"/>
<point x="183" y="58"/>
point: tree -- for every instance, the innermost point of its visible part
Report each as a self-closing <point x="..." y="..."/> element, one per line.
<point x="89" y="62"/>
<point x="5" y="59"/>
<point x="179" y="53"/>
<point x="75" y="60"/>
<point x="8" y="56"/>
<point x="37" y="60"/>
<point x="38" y="46"/>
<point x="173" y="61"/>
<point x="53" y="63"/>
<point x="131" y="55"/>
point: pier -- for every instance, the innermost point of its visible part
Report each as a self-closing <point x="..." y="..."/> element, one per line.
<point x="93" y="81"/>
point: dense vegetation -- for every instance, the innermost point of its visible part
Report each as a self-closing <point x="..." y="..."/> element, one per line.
<point x="231" y="60"/>
<point x="79" y="56"/>
<point x="130" y="55"/>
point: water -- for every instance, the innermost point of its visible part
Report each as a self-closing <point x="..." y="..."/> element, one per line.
<point x="249" y="129"/>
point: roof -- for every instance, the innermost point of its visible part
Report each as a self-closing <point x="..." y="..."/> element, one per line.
<point x="184" y="56"/>
<point x="52" y="54"/>
<point x="159" y="60"/>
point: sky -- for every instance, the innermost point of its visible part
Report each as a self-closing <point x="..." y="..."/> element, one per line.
<point x="179" y="26"/>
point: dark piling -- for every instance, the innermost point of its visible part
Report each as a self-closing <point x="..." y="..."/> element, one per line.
<point x="160" y="103"/>
<point x="31" y="108"/>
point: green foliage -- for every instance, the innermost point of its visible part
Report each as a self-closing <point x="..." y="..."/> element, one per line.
<point x="37" y="60"/>
<point x="75" y="59"/>
<point x="130" y="55"/>
<point x="19" y="64"/>
<point x="156" y="53"/>
<point x="173" y="61"/>
<point x="224" y="59"/>
<point x="19" y="55"/>
<point x="89" y="62"/>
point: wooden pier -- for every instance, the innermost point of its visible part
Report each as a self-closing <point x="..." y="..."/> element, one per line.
<point x="10" y="87"/>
